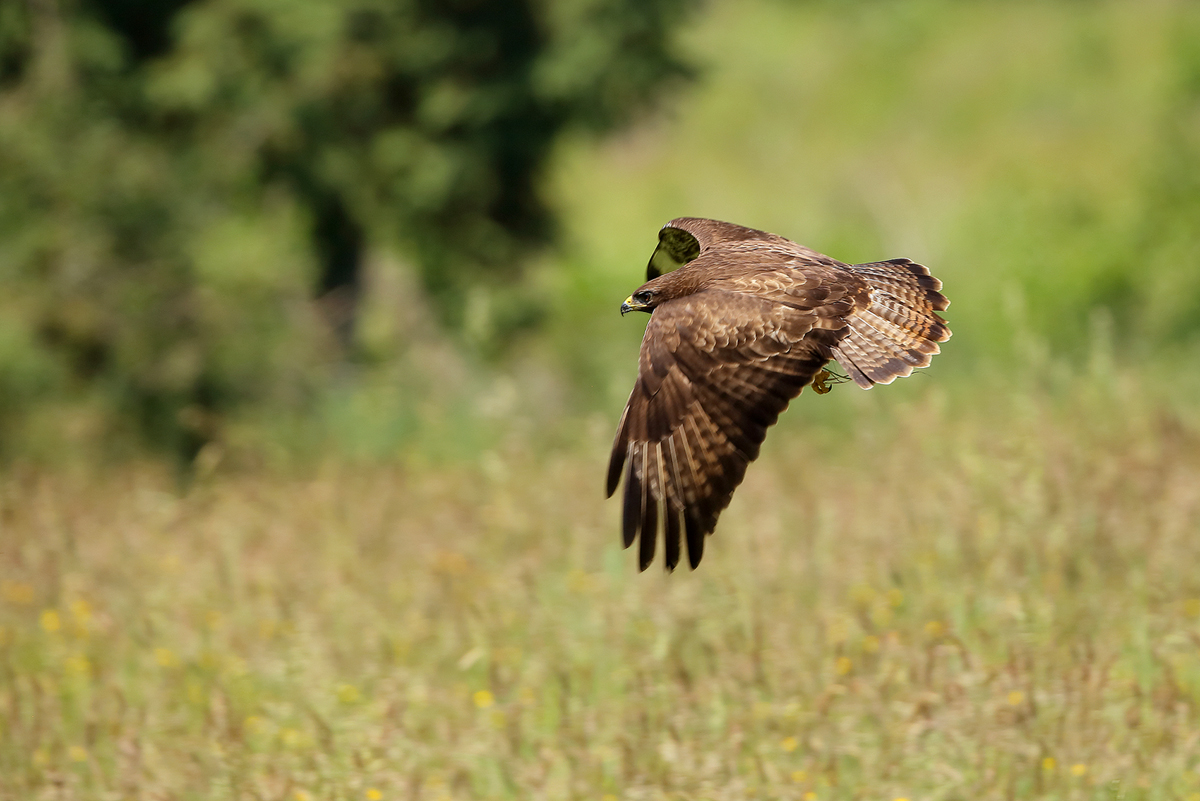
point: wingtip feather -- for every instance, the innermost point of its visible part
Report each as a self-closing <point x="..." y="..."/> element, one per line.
<point x="671" y="538"/>
<point x="695" y="539"/>
<point x="649" y="531"/>
<point x="631" y="510"/>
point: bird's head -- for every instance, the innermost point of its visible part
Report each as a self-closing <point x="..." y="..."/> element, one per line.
<point x="644" y="300"/>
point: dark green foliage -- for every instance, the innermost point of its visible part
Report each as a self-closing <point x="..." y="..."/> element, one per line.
<point x="178" y="179"/>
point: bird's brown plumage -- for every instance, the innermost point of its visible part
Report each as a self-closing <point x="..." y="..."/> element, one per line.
<point x="736" y="333"/>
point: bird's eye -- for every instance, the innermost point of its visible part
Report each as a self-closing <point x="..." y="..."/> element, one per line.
<point x="643" y="296"/>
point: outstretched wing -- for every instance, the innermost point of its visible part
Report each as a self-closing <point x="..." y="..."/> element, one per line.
<point x="716" y="369"/>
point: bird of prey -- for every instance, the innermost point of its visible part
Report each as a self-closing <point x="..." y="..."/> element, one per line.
<point x="740" y="322"/>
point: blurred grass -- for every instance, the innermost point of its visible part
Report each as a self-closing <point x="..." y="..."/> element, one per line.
<point x="950" y="601"/>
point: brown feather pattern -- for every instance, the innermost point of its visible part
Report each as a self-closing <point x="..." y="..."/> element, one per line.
<point x="734" y="335"/>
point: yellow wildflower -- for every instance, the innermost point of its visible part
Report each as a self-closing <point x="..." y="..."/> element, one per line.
<point x="50" y="621"/>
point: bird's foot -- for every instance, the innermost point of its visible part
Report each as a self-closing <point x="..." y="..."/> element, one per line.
<point x="824" y="380"/>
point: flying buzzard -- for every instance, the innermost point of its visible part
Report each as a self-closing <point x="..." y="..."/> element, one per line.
<point x="739" y="329"/>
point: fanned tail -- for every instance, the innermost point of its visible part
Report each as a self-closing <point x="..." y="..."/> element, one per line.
<point x="897" y="329"/>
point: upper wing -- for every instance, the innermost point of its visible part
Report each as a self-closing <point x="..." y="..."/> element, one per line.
<point x="684" y="239"/>
<point x="715" y="371"/>
<point x="676" y="247"/>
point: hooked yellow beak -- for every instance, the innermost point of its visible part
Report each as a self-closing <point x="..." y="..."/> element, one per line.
<point x="632" y="305"/>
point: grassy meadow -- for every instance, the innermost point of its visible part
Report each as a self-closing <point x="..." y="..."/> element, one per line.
<point x="977" y="583"/>
<point x="943" y="602"/>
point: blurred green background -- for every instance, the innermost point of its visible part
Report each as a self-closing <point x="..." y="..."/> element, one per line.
<point x="299" y="228"/>
<point x="310" y="360"/>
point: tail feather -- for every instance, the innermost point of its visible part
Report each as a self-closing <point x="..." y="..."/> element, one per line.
<point x="906" y="275"/>
<point x="896" y="328"/>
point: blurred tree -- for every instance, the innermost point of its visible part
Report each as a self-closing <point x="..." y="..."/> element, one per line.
<point x="177" y="179"/>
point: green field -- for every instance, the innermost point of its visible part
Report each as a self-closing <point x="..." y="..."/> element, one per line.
<point x="943" y="602"/>
<point x="978" y="583"/>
